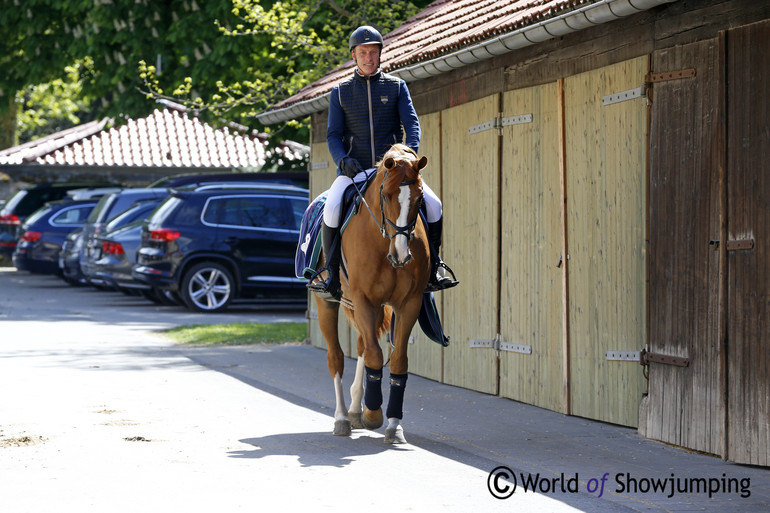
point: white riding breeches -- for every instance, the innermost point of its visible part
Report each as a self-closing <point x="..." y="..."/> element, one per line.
<point x="334" y="199"/>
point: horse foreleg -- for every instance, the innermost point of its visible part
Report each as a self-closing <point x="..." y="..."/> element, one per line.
<point x="367" y="319"/>
<point x="327" y="320"/>
<point x="399" y="366"/>
<point x="357" y="390"/>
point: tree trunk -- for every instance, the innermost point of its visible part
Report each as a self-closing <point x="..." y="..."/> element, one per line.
<point x="7" y="121"/>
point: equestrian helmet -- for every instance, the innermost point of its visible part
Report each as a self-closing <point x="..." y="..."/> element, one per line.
<point x="365" y="35"/>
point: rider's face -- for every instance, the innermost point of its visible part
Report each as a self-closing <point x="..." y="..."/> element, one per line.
<point x="367" y="57"/>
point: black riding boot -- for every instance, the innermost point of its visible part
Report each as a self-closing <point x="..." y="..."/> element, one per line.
<point x="438" y="277"/>
<point x="331" y="248"/>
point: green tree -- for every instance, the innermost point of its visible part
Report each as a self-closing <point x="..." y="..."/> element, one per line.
<point x="48" y="108"/>
<point x="226" y="60"/>
<point x="296" y="42"/>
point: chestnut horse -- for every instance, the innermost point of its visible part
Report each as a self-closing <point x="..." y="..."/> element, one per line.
<point x="387" y="263"/>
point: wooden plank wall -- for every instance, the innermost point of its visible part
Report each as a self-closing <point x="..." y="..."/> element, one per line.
<point x="426" y="356"/>
<point x="606" y="219"/>
<point x="684" y="405"/>
<point x="532" y="257"/>
<point x="748" y="185"/>
<point x="471" y="246"/>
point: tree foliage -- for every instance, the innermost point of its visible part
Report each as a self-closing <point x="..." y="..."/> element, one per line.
<point x="227" y="60"/>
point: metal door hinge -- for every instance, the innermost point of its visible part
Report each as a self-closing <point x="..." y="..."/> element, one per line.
<point x="623" y="96"/>
<point x="498" y="345"/>
<point x="319" y="165"/>
<point x="499" y="122"/>
<point x="670" y="75"/>
<point x="622" y="355"/>
<point x="740" y="245"/>
<point x="647" y="357"/>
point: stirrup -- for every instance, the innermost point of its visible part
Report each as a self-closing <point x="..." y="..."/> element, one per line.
<point x="435" y="284"/>
<point x="321" y="287"/>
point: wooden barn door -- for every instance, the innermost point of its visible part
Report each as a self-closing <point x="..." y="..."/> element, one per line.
<point x="748" y="244"/>
<point x="471" y="242"/>
<point x="532" y="255"/>
<point x="606" y="230"/>
<point x="684" y="404"/>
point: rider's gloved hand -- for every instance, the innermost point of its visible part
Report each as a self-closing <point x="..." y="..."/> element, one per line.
<point x="350" y="167"/>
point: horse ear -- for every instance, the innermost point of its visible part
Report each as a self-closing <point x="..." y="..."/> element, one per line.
<point x="422" y="163"/>
<point x="389" y="163"/>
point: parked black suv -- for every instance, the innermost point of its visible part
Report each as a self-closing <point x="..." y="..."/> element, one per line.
<point x="216" y="243"/>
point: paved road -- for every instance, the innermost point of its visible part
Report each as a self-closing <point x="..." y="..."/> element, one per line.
<point x="100" y="413"/>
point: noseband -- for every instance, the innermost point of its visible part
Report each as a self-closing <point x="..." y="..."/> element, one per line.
<point x="408" y="230"/>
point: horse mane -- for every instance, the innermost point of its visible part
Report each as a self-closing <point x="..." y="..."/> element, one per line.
<point x="398" y="174"/>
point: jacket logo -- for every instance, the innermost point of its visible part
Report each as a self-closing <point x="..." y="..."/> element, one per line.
<point x="384" y="99"/>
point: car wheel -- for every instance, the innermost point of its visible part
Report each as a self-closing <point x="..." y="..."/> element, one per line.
<point x="207" y="287"/>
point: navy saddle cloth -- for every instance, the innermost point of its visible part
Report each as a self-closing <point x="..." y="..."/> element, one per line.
<point x="309" y="252"/>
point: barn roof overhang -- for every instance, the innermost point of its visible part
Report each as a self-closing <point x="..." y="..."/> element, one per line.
<point x="597" y="13"/>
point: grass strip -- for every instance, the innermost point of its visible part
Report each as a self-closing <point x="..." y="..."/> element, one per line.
<point x="239" y="333"/>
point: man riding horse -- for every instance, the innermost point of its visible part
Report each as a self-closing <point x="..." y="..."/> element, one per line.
<point x="368" y="113"/>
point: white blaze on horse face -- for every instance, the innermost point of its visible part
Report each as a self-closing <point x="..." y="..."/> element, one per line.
<point x="402" y="243"/>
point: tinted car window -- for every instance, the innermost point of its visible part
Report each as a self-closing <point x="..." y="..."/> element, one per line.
<point x="298" y="207"/>
<point x="138" y="211"/>
<point x="247" y="211"/>
<point x="165" y="209"/>
<point x="74" y="215"/>
<point x="42" y="211"/>
<point x="103" y="205"/>
<point x="26" y="201"/>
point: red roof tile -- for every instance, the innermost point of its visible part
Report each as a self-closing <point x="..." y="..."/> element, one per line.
<point x="166" y="138"/>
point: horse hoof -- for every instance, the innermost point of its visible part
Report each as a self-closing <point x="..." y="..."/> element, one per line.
<point x="342" y="428"/>
<point x="395" y="435"/>
<point x="356" y="420"/>
<point x="372" y="419"/>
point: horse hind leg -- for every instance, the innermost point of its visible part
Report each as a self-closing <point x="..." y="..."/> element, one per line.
<point x="327" y="320"/>
<point x="357" y="393"/>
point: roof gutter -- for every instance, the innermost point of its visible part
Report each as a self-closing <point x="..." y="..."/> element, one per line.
<point x="597" y="13"/>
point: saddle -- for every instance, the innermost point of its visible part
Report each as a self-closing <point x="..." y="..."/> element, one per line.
<point x="309" y="252"/>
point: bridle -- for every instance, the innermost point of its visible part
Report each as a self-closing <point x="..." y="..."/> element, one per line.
<point x="407" y="231"/>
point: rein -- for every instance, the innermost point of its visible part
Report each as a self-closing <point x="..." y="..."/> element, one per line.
<point x="407" y="231"/>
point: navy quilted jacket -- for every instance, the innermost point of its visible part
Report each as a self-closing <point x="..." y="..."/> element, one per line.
<point x="367" y="115"/>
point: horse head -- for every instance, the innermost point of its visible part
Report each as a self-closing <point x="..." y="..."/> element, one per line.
<point x="400" y="199"/>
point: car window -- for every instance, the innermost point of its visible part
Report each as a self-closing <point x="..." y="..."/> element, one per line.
<point x="265" y="212"/>
<point x="39" y="213"/>
<point x="93" y="217"/>
<point x="138" y="211"/>
<point x="298" y="207"/>
<point x="72" y="215"/>
<point x="248" y="211"/>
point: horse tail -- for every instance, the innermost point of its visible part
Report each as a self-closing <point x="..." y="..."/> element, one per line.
<point x="385" y="327"/>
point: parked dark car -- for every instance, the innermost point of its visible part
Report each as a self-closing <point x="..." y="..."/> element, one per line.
<point x="69" y="258"/>
<point x="44" y="232"/>
<point x="214" y="244"/>
<point x="116" y="249"/>
<point x="27" y="200"/>
<point x="108" y="208"/>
